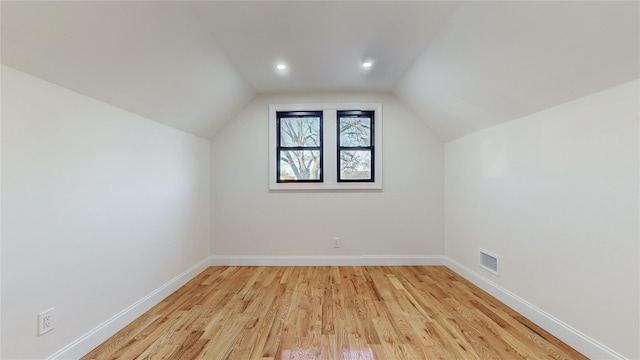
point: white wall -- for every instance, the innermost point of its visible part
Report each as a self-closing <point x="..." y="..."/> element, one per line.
<point x="405" y="218"/>
<point x="555" y="194"/>
<point x="100" y="208"/>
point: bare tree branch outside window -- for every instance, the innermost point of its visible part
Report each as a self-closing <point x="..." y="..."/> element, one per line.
<point x="300" y="151"/>
<point x="355" y="146"/>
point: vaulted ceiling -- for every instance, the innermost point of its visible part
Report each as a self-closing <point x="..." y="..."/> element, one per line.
<point x="460" y="66"/>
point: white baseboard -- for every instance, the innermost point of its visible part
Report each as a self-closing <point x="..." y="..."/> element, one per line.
<point x="348" y="260"/>
<point x="572" y="337"/>
<point x="104" y="331"/>
<point x="402" y="260"/>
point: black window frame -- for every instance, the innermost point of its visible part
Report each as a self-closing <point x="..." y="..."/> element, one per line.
<point x="280" y="148"/>
<point x="370" y="114"/>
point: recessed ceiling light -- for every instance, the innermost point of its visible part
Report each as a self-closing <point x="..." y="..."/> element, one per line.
<point x="367" y="64"/>
<point x="281" y="66"/>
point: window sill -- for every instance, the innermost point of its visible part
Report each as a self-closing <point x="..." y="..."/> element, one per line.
<point x="325" y="187"/>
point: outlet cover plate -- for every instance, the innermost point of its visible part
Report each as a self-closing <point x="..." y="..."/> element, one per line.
<point x="46" y="321"/>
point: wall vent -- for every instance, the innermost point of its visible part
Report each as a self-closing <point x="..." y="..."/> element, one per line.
<point x="489" y="261"/>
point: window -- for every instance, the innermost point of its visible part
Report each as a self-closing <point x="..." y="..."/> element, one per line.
<point x="299" y="146"/>
<point x="356" y="157"/>
<point x="325" y="147"/>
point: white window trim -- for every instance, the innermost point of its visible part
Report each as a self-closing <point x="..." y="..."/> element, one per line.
<point x="329" y="132"/>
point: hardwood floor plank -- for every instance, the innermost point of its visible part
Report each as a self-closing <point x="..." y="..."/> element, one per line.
<point x="369" y="312"/>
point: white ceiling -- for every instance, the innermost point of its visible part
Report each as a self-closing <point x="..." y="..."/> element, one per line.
<point x="194" y="65"/>
<point x="324" y="42"/>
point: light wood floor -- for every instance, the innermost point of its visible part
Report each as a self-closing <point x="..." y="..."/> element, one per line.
<point x="374" y="312"/>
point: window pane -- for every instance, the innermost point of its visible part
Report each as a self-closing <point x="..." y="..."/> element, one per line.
<point x="355" y="131"/>
<point x="355" y="165"/>
<point x="300" y="131"/>
<point x="299" y="165"/>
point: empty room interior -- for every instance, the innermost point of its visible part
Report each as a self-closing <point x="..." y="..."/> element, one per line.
<point x="322" y="180"/>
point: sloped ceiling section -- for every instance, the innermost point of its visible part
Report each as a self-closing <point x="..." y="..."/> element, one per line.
<point x="151" y="58"/>
<point x="497" y="61"/>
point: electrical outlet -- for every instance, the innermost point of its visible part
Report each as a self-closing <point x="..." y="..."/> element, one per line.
<point x="336" y="242"/>
<point x="46" y="321"/>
